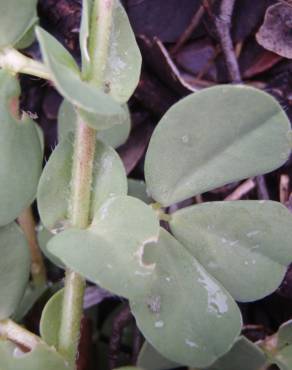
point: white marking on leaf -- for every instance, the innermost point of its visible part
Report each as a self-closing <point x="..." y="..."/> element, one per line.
<point x="191" y="344"/>
<point x="141" y="273"/>
<point x="154" y="303"/>
<point x="159" y="324"/>
<point x="252" y="233"/>
<point x="217" y="300"/>
<point x="140" y="253"/>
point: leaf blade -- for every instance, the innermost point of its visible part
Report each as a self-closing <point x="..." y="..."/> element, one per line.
<point x="14" y="268"/>
<point x="67" y="78"/>
<point x="179" y="277"/>
<point x="112" y="247"/>
<point x="21" y="17"/>
<point x="235" y="242"/>
<point x="53" y="195"/>
<point x="213" y="137"/>
<point x="20" y="150"/>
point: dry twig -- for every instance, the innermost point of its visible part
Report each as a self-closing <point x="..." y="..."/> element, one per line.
<point x="242" y="189"/>
<point x="284" y="188"/>
<point x="223" y="25"/>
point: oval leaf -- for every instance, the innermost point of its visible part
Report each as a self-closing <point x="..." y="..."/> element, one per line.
<point x="27" y="39"/>
<point x="122" y="72"/>
<point x="114" y="136"/>
<point x="53" y="196"/>
<point x="246" y="245"/>
<point x="51" y="319"/>
<point x="213" y="137"/>
<point x="283" y="359"/>
<point x="66" y="76"/>
<point x="110" y="251"/>
<point x="31" y="295"/>
<point x="285" y="334"/>
<point x="14" y="268"/>
<point x="150" y="359"/>
<point x="206" y="322"/>
<point x="137" y="189"/>
<point x="244" y="355"/>
<point x="20" y="155"/>
<point x="43" y="236"/>
<point x="15" y="20"/>
<point x="42" y="357"/>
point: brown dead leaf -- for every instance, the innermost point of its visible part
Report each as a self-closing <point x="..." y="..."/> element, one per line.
<point x="275" y="33"/>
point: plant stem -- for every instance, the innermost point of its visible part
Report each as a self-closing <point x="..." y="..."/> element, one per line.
<point x="83" y="161"/>
<point x="16" y="62"/>
<point x="101" y="21"/>
<point x="85" y="140"/>
<point x="38" y="270"/>
<point x="18" y="335"/>
<point x="71" y="315"/>
<point x="84" y="149"/>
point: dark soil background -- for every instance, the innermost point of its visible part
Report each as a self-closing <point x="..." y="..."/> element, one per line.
<point x="182" y="52"/>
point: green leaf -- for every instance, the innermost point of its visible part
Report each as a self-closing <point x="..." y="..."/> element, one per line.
<point x="109" y="179"/>
<point x="51" y="319"/>
<point x="31" y="295"/>
<point x="14" y="268"/>
<point x="43" y="236"/>
<point x="122" y="72"/>
<point x="213" y="137"/>
<point x="244" y="355"/>
<point x="41" y="138"/>
<point x="112" y="247"/>
<point x="284" y="358"/>
<point x="205" y="323"/>
<point x="42" y="357"/>
<point x="285" y="334"/>
<point x="67" y="79"/>
<point x="150" y="359"/>
<point x="67" y="119"/>
<point x="137" y="189"/>
<point x="20" y="154"/>
<point x="28" y="38"/>
<point x="15" y="20"/>
<point x="114" y="136"/>
<point x="235" y="242"/>
<point x="84" y="36"/>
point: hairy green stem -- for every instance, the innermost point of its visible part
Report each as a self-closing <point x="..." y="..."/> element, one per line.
<point x="101" y="21"/>
<point x="84" y="149"/>
<point x="83" y="161"/>
<point x="14" y="61"/>
<point x="69" y="334"/>
<point x="18" y="335"/>
<point x="85" y="140"/>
